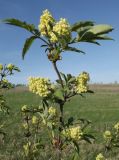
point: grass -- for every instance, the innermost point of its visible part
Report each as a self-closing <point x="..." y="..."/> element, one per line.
<point x="102" y="108"/>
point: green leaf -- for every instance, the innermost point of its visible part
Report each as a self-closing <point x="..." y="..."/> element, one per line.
<point x="70" y="121"/>
<point x="93" y="33"/>
<point x="90" y="91"/>
<point x="89" y="138"/>
<point x="73" y="79"/>
<point x="16" y="69"/>
<point x="100" y="29"/>
<point x="76" y="146"/>
<point x="103" y="37"/>
<point x="63" y="76"/>
<point x="58" y="81"/>
<point x="27" y="45"/>
<point x="78" y="25"/>
<point x="43" y="45"/>
<point x="18" y="23"/>
<point x="69" y="76"/>
<point x="81" y="31"/>
<point x="92" y="41"/>
<point x="59" y="94"/>
<point x="73" y="49"/>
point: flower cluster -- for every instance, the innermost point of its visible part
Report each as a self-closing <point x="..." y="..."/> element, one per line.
<point x="46" y="23"/>
<point x="55" y="31"/>
<point x="52" y="111"/>
<point x="107" y="135"/>
<point x="34" y="120"/>
<point x="116" y="126"/>
<point x="24" y="108"/>
<point x="1" y="67"/>
<point x="81" y="82"/>
<point x="40" y="86"/>
<point x="26" y="148"/>
<point x="25" y="125"/>
<point x="74" y="133"/>
<point x="62" y="29"/>
<point x="10" y="67"/>
<point x="100" y="157"/>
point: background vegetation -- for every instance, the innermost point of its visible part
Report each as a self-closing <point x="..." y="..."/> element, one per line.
<point x="101" y="108"/>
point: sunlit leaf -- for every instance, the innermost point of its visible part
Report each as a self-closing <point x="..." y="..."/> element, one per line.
<point x="80" y="24"/>
<point x="100" y="29"/>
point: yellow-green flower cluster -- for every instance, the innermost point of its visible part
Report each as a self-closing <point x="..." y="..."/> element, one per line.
<point x="40" y="86"/>
<point x="26" y="148"/>
<point x="10" y="66"/>
<point x="116" y="126"/>
<point x="62" y="29"/>
<point x="25" y="125"/>
<point x="81" y="82"/>
<point x="52" y="111"/>
<point x="46" y="22"/>
<point x="24" y="108"/>
<point x="55" y="31"/>
<point x="107" y="135"/>
<point x="100" y="157"/>
<point x="34" y="120"/>
<point x="1" y="67"/>
<point x="74" y="133"/>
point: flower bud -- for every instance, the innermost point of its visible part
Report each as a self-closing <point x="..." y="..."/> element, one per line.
<point x="107" y="135"/>
<point x="100" y="157"/>
<point x="1" y="67"/>
<point x="34" y="120"/>
<point x="116" y="126"/>
<point x="24" y="108"/>
<point x="10" y="67"/>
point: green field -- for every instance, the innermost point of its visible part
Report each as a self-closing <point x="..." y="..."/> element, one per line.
<point x="102" y="108"/>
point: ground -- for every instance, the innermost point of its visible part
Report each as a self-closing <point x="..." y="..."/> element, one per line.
<point x="101" y="108"/>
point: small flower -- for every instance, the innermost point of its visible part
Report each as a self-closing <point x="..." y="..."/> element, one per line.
<point x="25" y="125"/>
<point x="107" y="135"/>
<point x="24" y="108"/>
<point x="1" y="67"/>
<point x="52" y="111"/>
<point x="34" y="120"/>
<point x="100" y="157"/>
<point x="10" y="66"/>
<point x="116" y="126"/>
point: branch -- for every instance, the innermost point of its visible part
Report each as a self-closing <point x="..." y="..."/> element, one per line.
<point x="58" y="74"/>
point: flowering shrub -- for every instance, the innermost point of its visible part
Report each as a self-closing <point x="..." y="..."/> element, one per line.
<point x="63" y="134"/>
<point x="5" y="70"/>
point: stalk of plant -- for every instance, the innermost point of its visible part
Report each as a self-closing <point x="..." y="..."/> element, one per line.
<point x="57" y="38"/>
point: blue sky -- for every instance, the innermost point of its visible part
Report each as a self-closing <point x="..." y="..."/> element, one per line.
<point x="102" y="62"/>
